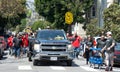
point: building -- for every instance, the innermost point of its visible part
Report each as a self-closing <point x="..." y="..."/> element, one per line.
<point x="101" y="6"/>
<point x="96" y="12"/>
<point x="98" y="7"/>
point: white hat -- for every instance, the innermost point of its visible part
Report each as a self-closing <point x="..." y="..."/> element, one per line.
<point x="109" y="32"/>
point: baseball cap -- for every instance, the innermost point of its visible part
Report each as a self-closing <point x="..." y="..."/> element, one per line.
<point x="109" y="32"/>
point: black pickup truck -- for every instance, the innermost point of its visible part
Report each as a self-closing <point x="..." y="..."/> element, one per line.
<point x="52" y="45"/>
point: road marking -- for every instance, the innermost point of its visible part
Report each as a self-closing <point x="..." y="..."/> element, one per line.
<point x="57" y="68"/>
<point x="89" y="69"/>
<point x="24" y="67"/>
<point x="117" y="70"/>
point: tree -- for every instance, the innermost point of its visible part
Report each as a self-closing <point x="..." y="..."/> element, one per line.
<point x="54" y="10"/>
<point x="13" y="11"/>
<point x="92" y="28"/>
<point x="40" y="24"/>
<point x="112" y="20"/>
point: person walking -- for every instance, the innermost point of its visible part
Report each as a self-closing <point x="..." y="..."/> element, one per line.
<point x="10" y="44"/>
<point x="101" y="42"/>
<point x="109" y="47"/>
<point x="76" y="44"/>
<point x="25" y="44"/>
<point x="17" y="41"/>
<point x="31" y="45"/>
<point x="89" y="44"/>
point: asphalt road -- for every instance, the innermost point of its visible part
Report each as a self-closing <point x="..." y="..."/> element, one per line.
<point x="10" y="64"/>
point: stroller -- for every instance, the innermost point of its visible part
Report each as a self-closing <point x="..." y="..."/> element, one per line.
<point x="95" y="57"/>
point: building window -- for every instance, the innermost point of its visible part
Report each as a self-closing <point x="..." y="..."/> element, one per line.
<point x="119" y="2"/>
<point x="93" y="9"/>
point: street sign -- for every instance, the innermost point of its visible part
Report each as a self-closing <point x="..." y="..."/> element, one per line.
<point x="68" y="17"/>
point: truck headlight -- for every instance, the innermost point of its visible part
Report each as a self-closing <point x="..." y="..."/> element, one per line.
<point x="37" y="47"/>
<point x="70" y="48"/>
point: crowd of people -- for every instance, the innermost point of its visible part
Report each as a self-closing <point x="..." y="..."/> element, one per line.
<point x="19" y="44"/>
<point x="106" y="43"/>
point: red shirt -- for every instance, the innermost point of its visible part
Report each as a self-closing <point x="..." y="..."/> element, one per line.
<point x="10" y="41"/>
<point x="25" y="41"/>
<point x="76" y="42"/>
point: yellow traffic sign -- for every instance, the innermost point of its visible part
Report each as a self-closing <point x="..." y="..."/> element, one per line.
<point x="68" y="17"/>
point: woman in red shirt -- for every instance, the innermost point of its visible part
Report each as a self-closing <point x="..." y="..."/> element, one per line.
<point x="10" y="44"/>
<point x="25" y="43"/>
<point x="76" y="44"/>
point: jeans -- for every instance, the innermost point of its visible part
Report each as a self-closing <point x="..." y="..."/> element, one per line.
<point x="87" y="52"/>
<point x="109" y="58"/>
<point x="24" y="50"/>
<point x="76" y="52"/>
<point x="11" y="50"/>
<point x="17" y="52"/>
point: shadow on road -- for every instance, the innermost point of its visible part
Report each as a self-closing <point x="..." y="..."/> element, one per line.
<point x="54" y="63"/>
<point x="4" y="56"/>
<point x="118" y="66"/>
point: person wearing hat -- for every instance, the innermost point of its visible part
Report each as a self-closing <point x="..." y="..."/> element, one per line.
<point x="109" y="48"/>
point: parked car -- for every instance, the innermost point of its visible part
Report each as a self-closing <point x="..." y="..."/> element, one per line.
<point x="117" y="54"/>
<point x="3" y="45"/>
<point x="3" y="41"/>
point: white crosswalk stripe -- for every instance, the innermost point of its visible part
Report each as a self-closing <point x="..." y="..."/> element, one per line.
<point x="24" y="67"/>
<point x="116" y="70"/>
<point x="89" y="69"/>
<point x="62" y="68"/>
<point x="57" y="68"/>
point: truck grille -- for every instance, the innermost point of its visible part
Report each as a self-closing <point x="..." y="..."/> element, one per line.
<point x="53" y="48"/>
<point x="59" y="58"/>
<point x="53" y="45"/>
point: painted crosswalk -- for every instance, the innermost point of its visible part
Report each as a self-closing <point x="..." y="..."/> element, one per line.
<point x="24" y="67"/>
<point x="86" y="68"/>
<point x="57" y="68"/>
<point x="61" y="68"/>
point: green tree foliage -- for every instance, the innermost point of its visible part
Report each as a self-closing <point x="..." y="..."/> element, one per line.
<point x="92" y="28"/>
<point x="23" y="24"/>
<point x="112" y="20"/>
<point x="40" y="24"/>
<point x="12" y="11"/>
<point x="29" y="13"/>
<point x="54" y="10"/>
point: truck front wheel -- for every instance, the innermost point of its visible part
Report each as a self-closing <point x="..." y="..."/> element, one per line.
<point x="69" y="63"/>
<point x="35" y="62"/>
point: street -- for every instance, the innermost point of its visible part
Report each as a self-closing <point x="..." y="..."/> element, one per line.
<point x="10" y="64"/>
<point x="57" y="30"/>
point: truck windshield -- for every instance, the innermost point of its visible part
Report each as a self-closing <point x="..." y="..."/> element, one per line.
<point x="51" y="35"/>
